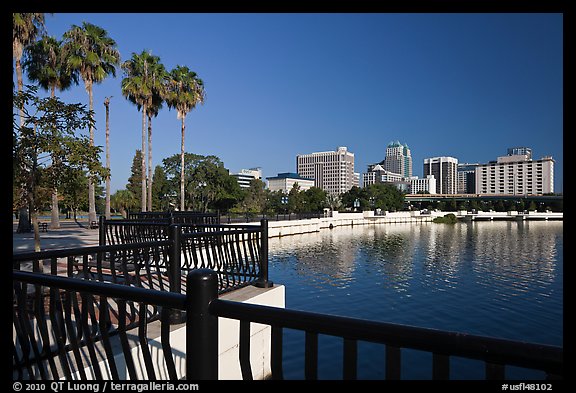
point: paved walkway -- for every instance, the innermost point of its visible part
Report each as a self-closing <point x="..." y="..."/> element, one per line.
<point x="70" y="234"/>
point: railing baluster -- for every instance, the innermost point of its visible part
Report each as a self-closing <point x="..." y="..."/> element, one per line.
<point x="105" y="323"/>
<point x="73" y="337"/>
<point x="440" y="366"/>
<point x="88" y="339"/>
<point x="311" y="356"/>
<point x="393" y="362"/>
<point x="143" y="339"/>
<point x="350" y="365"/>
<point x="276" y="352"/>
<point x="244" y="351"/>
<point x="495" y="371"/>
<point x="165" y="321"/>
<point x="124" y="339"/>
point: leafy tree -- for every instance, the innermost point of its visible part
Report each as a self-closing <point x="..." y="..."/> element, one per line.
<point x="296" y="201"/>
<point x="315" y="199"/>
<point x="160" y="190"/>
<point x="49" y="131"/>
<point x="124" y="201"/>
<point x="184" y="90"/>
<point x="135" y="176"/>
<point x="90" y="52"/>
<point x="44" y="64"/>
<point x="208" y="185"/>
<point x="25" y="28"/>
<point x="355" y="193"/>
<point x="255" y="198"/>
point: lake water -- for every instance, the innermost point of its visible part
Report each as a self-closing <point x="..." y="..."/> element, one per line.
<point x="501" y="279"/>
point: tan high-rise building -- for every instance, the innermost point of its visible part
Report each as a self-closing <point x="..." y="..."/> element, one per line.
<point x="516" y="174"/>
<point x="332" y="171"/>
<point x="445" y="171"/>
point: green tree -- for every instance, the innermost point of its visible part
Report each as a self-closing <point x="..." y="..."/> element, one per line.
<point x="255" y="198"/>
<point x="25" y="28"/>
<point x="48" y="131"/>
<point x="135" y="176"/>
<point x="385" y="197"/>
<point x="124" y="201"/>
<point x="143" y="85"/>
<point x="44" y="64"/>
<point x="73" y="189"/>
<point x="355" y="193"/>
<point x="208" y="185"/>
<point x="160" y="190"/>
<point x="89" y="51"/>
<point x="315" y="199"/>
<point x="184" y="90"/>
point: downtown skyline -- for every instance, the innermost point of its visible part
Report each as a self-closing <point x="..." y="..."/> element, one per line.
<point x="279" y="85"/>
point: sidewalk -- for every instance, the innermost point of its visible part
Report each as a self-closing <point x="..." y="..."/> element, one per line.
<point x="70" y="234"/>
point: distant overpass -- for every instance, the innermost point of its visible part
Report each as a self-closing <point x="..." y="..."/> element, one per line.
<point x="481" y="197"/>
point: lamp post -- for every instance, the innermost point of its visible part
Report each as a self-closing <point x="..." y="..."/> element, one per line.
<point x="284" y="201"/>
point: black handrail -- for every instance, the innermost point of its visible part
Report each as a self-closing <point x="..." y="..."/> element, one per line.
<point x="101" y="288"/>
<point x="491" y="350"/>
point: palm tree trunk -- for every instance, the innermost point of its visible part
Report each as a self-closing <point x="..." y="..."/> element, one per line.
<point x="182" y="165"/>
<point x="107" y="208"/>
<point x="91" y="190"/>
<point x="55" y="219"/>
<point x="143" y="165"/>
<point x="23" y="217"/>
<point x="150" y="163"/>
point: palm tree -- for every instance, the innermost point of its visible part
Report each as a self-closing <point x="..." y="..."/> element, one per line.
<point x="107" y="208"/>
<point x="45" y="65"/>
<point x="90" y="51"/>
<point x="184" y="91"/>
<point x="25" y="28"/>
<point x="143" y="83"/>
<point x="153" y="110"/>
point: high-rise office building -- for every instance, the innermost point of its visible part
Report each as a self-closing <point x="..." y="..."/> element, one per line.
<point x="398" y="159"/>
<point x="445" y="171"/>
<point x="467" y="178"/>
<point x="516" y="174"/>
<point x="245" y="176"/>
<point x="332" y="171"/>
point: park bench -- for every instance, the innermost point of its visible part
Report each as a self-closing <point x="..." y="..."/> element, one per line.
<point x="43" y="226"/>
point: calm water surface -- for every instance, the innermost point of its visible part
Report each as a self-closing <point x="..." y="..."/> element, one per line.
<point x="500" y="279"/>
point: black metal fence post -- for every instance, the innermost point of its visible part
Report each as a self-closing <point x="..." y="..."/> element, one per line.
<point x="101" y="232"/>
<point x="174" y="269"/>
<point x="201" y="325"/>
<point x="263" y="279"/>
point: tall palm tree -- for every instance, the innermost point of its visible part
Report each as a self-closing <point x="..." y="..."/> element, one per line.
<point x="90" y="51"/>
<point x="143" y="83"/>
<point x="44" y="64"/>
<point x="25" y="28"/>
<point x="184" y="91"/>
<point x="107" y="207"/>
<point x="153" y="110"/>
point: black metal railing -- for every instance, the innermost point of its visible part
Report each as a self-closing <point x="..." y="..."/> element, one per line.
<point x="55" y="320"/>
<point x="495" y="353"/>
<point x="178" y="217"/>
<point x="60" y="332"/>
<point x="141" y="254"/>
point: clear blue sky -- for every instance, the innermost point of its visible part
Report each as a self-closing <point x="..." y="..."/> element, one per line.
<point x="277" y="85"/>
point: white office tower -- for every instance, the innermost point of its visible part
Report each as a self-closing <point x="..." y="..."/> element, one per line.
<point x="516" y="175"/>
<point x="332" y="171"/>
<point x="445" y="171"/>
<point x="245" y="176"/>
